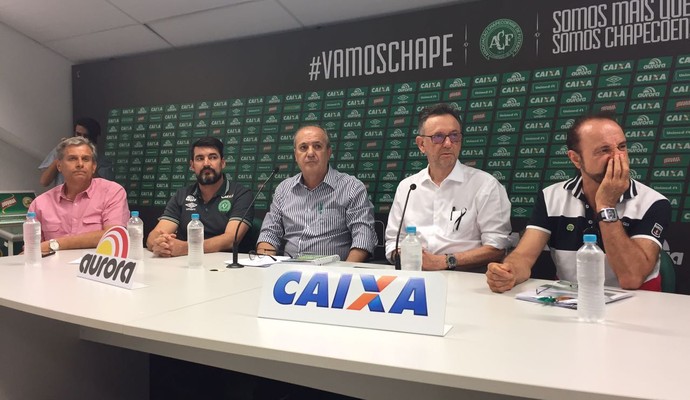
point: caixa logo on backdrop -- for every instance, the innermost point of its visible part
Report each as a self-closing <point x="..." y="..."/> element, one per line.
<point x="405" y="301"/>
<point x="109" y="264"/>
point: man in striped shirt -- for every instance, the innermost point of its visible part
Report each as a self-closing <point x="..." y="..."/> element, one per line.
<point x="628" y="217"/>
<point x="319" y="210"/>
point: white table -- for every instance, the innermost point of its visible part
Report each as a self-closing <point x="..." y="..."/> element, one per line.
<point x="44" y="309"/>
<point x="499" y="347"/>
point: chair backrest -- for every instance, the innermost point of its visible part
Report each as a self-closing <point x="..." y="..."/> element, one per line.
<point x="380" y="249"/>
<point x="667" y="270"/>
<point x="248" y="242"/>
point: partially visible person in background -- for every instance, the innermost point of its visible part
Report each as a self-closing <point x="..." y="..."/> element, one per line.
<point x="85" y="127"/>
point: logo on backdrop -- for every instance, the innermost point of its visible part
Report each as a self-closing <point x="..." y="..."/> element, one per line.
<point x="501" y="39"/>
<point x="109" y="263"/>
<point x="8" y="202"/>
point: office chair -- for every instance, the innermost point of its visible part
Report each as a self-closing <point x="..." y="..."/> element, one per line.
<point x="248" y="242"/>
<point x="667" y="270"/>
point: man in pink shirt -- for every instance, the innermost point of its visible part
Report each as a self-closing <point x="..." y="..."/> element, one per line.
<point x="75" y="215"/>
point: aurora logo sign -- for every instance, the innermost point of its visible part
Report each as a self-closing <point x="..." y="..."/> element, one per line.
<point x="109" y="264"/>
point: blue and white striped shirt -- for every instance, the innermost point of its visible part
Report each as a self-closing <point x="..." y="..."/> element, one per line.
<point x="331" y="219"/>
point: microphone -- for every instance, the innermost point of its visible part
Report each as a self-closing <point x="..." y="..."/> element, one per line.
<point x="402" y="218"/>
<point x="235" y="243"/>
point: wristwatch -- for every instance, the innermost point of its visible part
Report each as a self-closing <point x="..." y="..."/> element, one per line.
<point x="54" y="245"/>
<point x="451" y="262"/>
<point x="608" y="215"/>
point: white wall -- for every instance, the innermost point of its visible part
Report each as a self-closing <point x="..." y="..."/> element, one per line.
<point x="35" y="107"/>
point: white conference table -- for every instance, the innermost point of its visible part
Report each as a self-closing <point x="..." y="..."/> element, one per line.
<point x="498" y="347"/>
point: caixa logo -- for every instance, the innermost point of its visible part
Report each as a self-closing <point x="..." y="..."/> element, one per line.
<point x="290" y="290"/>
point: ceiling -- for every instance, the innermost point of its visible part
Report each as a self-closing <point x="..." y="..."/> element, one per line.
<point x="90" y="30"/>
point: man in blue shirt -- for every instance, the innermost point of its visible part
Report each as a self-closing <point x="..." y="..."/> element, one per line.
<point x="319" y="210"/>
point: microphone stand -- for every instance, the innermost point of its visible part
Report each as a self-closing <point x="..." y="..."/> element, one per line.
<point x="402" y="218"/>
<point x="235" y="242"/>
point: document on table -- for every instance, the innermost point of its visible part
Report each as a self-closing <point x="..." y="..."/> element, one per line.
<point x="261" y="261"/>
<point x="315" y="259"/>
<point x="564" y="294"/>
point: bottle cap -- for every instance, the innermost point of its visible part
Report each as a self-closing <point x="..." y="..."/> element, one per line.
<point x="31" y="214"/>
<point x="135" y="213"/>
<point x="589" y="238"/>
<point x="411" y="229"/>
<point x="195" y="216"/>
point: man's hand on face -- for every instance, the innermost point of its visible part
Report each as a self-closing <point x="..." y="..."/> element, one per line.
<point x="616" y="181"/>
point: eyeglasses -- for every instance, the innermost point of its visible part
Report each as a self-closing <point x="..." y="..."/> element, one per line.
<point x="557" y="286"/>
<point x="439" y="138"/>
<point x="253" y="255"/>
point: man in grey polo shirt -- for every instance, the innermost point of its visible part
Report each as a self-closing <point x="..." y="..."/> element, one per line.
<point x="220" y="203"/>
<point x="319" y="210"/>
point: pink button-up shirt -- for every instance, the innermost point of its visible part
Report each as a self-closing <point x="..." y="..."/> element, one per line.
<point x="104" y="203"/>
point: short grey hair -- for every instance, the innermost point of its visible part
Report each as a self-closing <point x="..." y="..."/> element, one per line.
<point x="75" y="141"/>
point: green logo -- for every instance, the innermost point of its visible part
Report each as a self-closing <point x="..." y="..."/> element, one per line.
<point x="455" y="83"/>
<point x="500" y="176"/>
<point x="485" y="80"/>
<point x="514" y="89"/>
<point x="482" y="92"/>
<point x="501" y="39"/>
<point x="617" y="67"/>
<point x="520" y="212"/>
<point x="581" y="70"/>
<point x="610" y="81"/>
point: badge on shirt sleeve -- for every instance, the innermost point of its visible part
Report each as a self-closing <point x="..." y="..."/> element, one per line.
<point x="224" y="206"/>
<point x="656" y="230"/>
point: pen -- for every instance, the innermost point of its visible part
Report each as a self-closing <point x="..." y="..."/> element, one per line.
<point x="546" y="299"/>
<point x="451" y="213"/>
<point x="457" y="221"/>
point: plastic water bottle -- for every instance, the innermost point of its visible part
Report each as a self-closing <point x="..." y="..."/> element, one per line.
<point x="411" y="251"/>
<point x="135" y="228"/>
<point x="32" y="240"/>
<point x="195" y="242"/>
<point x="590" y="281"/>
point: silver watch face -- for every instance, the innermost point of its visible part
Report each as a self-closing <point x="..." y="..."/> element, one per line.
<point x="54" y="245"/>
<point x="609" y="214"/>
